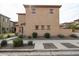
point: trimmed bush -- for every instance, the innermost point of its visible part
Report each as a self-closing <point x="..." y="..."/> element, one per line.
<point x="17" y="42"/>
<point x="30" y="43"/>
<point x="8" y="36"/>
<point x="34" y="35"/>
<point x="3" y="43"/>
<point x="29" y="37"/>
<point x="61" y="36"/>
<point x="20" y="36"/>
<point x="47" y="35"/>
<point x="74" y="36"/>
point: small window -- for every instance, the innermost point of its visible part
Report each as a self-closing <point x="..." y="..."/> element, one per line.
<point x="51" y="11"/>
<point x="42" y="27"/>
<point x="48" y="27"/>
<point x="36" y="27"/>
<point x="33" y="11"/>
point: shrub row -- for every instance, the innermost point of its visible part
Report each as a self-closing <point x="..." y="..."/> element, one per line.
<point x="16" y="43"/>
<point x="19" y="42"/>
<point x="47" y="35"/>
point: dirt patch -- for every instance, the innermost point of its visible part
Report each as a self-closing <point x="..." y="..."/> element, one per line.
<point x="25" y="46"/>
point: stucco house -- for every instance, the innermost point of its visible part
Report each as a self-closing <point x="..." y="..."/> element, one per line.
<point x="41" y="19"/>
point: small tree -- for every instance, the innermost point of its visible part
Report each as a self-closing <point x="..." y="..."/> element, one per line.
<point x="73" y="27"/>
<point x="47" y="35"/>
<point x="34" y="35"/>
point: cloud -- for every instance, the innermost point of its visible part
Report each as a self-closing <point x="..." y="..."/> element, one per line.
<point x="68" y="11"/>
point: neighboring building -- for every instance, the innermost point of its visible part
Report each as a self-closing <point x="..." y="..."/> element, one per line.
<point x="41" y="19"/>
<point x="65" y="25"/>
<point x="12" y="26"/>
<point x="5" y="24"/>
<point x="76" y="21"/>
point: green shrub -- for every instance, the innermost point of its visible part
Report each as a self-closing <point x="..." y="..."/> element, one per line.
<point x="3" y="43"/>
<point x="30" y="43"/>
<point x="61" y="36"/>
<point x="74" y="36"/>
<point x="47" y="35"/>
<point x="29" y="37"/>
<point x="34" y="35"/>
<point x="8" y="36"/>
<point x="17" y="42"/>
<point x="20" y="36"/>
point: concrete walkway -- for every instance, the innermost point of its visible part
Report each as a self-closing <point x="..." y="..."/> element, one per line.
<point x="11" y="38"/>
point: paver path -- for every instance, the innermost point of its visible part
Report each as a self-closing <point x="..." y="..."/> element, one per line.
<point x="57" y="43"/>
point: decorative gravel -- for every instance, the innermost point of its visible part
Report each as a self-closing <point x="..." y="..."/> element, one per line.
<point x="69" y="45"/>
<point x="25" y="46"/>
<point x="49" y="46"/>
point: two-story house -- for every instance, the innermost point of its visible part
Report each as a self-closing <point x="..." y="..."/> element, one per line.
<point x="41" y="19"/>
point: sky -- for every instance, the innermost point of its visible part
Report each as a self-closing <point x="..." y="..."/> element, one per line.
<point x="68" y="12"/>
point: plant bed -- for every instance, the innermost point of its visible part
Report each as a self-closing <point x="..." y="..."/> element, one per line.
<point x="25" y="46"/>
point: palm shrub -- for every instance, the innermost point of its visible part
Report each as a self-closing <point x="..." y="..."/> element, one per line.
<point x="47" y="35"/>
<point x="34" y="35"/>
<point x="3" y="43"/>
<point x="17" y="42"/>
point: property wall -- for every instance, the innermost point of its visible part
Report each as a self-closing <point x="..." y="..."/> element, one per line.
<point x="66" y="32"/>
<point x="77" y="31"/>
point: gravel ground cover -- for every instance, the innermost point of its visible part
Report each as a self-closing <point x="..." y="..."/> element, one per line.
<point x="69" y="45"/>
<point x="49" y="46"/>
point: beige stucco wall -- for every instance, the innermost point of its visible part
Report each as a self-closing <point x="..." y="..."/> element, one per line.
<point x="21" y="18"/>
<point x="42" y="17"/>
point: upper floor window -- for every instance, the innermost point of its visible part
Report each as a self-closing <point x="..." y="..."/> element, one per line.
<point x="33" y="11"/>
<point x="51" y="11"/>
